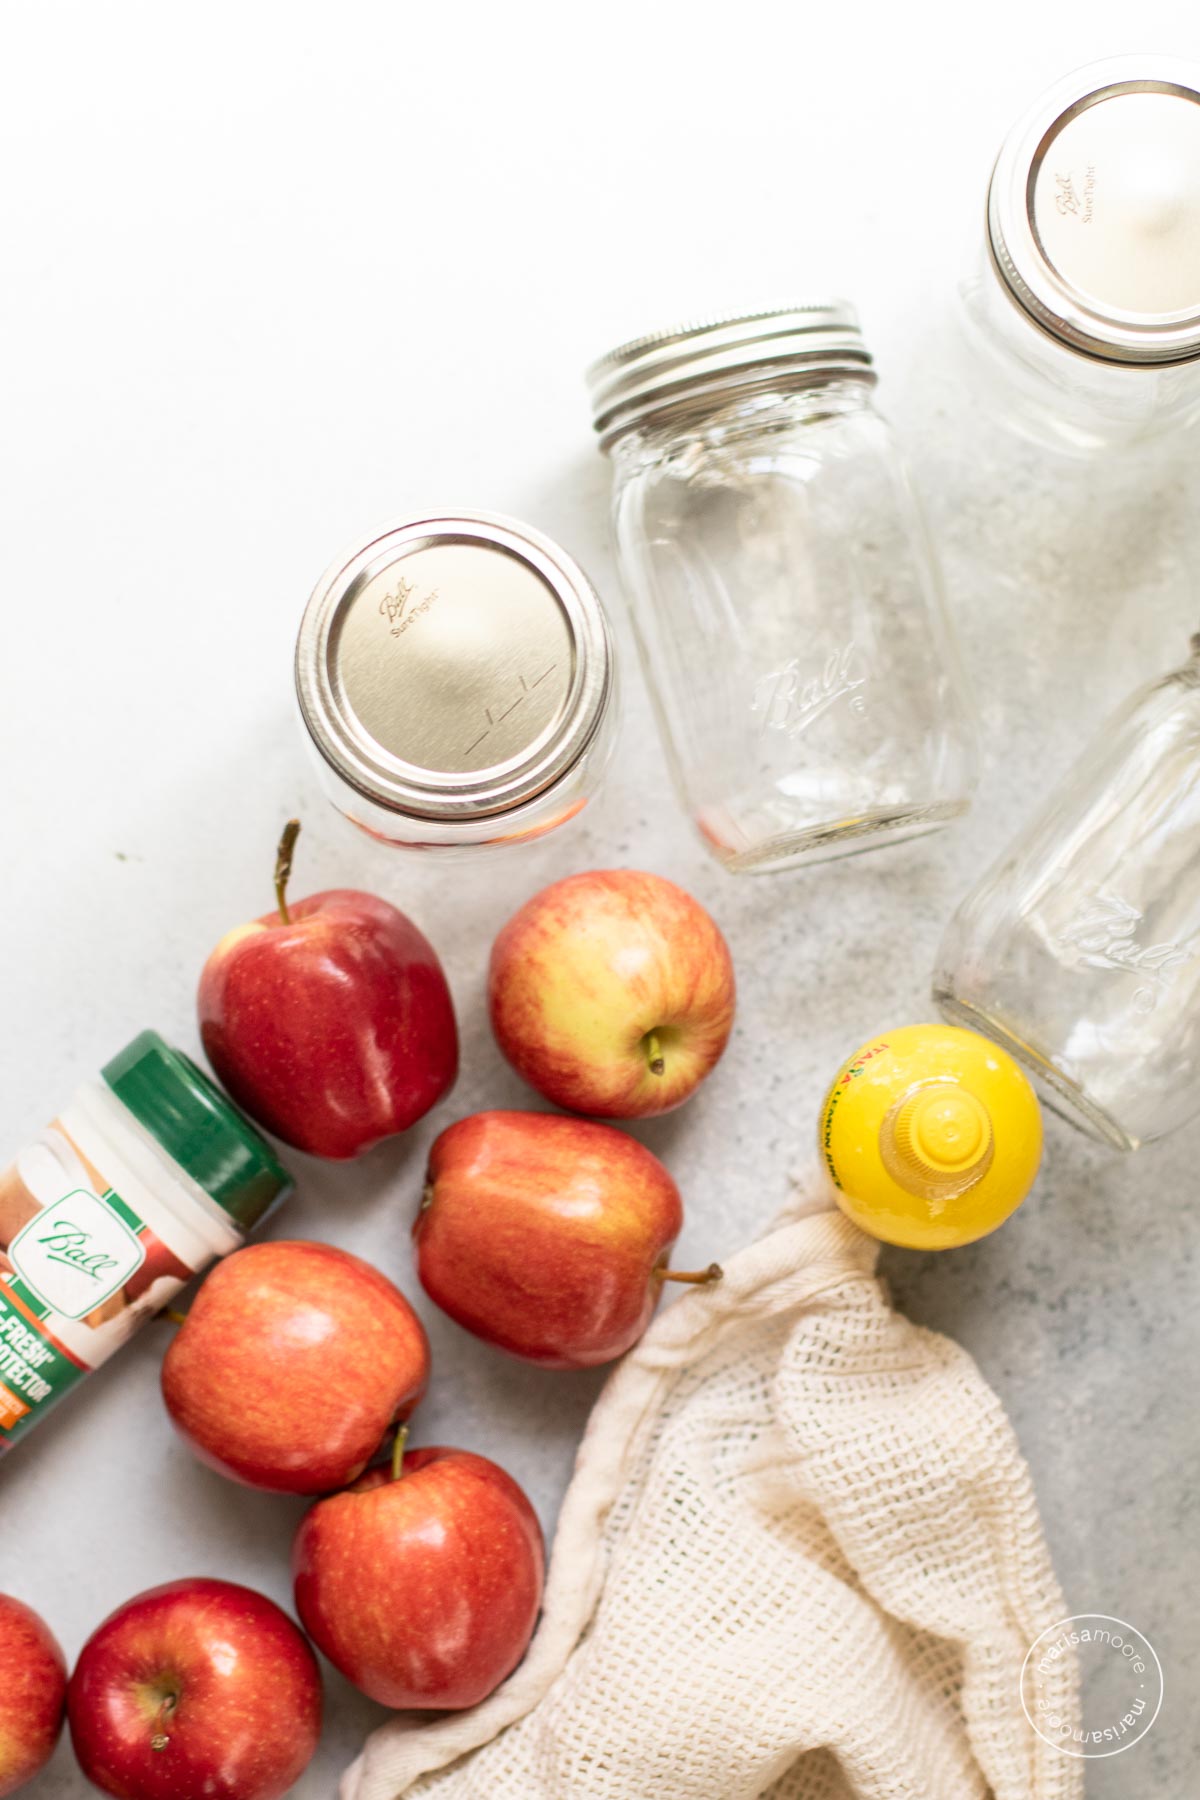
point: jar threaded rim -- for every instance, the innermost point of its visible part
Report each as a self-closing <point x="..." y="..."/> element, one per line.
<point x="675" y="369"/>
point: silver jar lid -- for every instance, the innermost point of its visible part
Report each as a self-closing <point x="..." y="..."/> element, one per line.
<point x="674" y="372"/>
<point x="449" y="668"/>
<point x="1094" y="211"/>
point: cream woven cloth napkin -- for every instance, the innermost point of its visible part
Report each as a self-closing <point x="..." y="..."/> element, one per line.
<point x="799" y="1557"/>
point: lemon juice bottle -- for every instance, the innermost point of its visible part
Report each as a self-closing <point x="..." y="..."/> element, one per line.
<point x="931" y="1136"/>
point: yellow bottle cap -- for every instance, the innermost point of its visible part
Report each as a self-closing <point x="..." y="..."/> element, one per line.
<point x="940" y="1138"/>
<point x="931" y="1135"/>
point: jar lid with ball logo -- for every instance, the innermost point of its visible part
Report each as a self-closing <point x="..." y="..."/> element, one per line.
<point x="455" y="678"/>
<point x="1093" y="216"/>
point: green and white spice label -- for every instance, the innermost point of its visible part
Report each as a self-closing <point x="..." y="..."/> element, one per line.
<point x="75" y="1254"/>
<point x="80" y="1269"/>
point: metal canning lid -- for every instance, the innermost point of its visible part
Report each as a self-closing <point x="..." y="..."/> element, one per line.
<point x="453" y="668"/>
<point x="673" y="371"/>
<point x="1094" y="211"/>
<point x="198" y="1127"/>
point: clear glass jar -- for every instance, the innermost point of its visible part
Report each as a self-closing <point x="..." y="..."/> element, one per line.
<point x="783" y="590"/>
<point x="456" y="681"/>
<point x="1084" y="309"/>
<point x="1079" y="951"/>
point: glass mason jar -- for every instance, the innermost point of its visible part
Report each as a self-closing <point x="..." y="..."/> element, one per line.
<point x="456" y="680"/>
<point x="1084" y="309"/>
<point x="783" y="590"/>
<point x="1079" y="951"/>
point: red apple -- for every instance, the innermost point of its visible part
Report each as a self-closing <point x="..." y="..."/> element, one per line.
<point x="292" y="1364"/>
<point x="422" y="1582"/>
<point x="33" y="1689"/>
<point x="548" y="1237"/>
<point x="198" y="1688"/>
<point x="329" y="1020"/>
<point x="612" y="993"/>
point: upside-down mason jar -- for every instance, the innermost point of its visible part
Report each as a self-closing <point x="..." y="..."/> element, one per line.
<point x="783" y="590"/>
<point x="1079" y="951"/>
<point x="1084" y="309"/>
<point x="456" y="681"/>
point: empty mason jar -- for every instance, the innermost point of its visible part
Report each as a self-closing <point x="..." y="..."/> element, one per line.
<point x="1079" y="951"/>
<point x="456" y="682"/>
<point x="1084" y="308"/>
<point x="784" y="593"/>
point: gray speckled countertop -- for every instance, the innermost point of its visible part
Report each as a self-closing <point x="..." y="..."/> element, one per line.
<point x="209" y="407"/>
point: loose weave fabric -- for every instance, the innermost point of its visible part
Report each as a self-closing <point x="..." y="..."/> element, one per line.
<point x="800" y="1557"/>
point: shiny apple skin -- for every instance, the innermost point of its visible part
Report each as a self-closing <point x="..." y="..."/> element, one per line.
<point x="33" y="1692"/>
<point x="247" y="1709"/>
<point x="292" y="1364"/>
<point x="584" y="973"/>
<point x="424" y="1591"/>
<point x="542" y="1235"/>
<point x="334" y="1031"/>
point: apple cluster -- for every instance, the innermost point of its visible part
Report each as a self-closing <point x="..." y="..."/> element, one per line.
<point x="417" y="1572"/>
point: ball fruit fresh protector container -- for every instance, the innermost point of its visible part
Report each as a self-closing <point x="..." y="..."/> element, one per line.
<point x="143" y="1179"/>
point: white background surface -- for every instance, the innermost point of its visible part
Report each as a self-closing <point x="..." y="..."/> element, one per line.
<point x="275" y="274"/>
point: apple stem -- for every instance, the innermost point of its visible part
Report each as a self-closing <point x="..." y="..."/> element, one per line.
<point x="398" y="1452"/>
<point x="173" y="1316"/>
<point x="696" y="1277"/>
<point x="654" y="1054"/>
<point x="161" y="1738"/>
<point x="283" y="867"/>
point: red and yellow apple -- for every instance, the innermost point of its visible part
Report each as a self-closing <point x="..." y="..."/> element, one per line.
<point x="612" y="993"/>
<point x="422" y="1582"/>
<point x="329" y="1020"/>
<point x="548" y="1237"/>
<point x="292" y="1365"/>
<point x="33" y="1691"/>
<point x="196" y="1688"/>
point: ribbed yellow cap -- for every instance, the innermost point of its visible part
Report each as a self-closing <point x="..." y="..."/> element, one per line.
<point x="942" y="1132"/>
